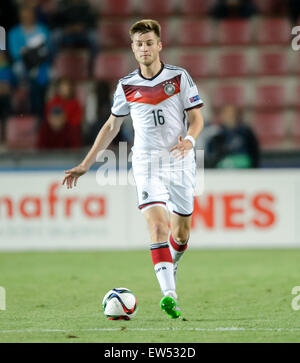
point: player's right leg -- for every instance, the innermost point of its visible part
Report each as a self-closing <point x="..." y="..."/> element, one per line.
<point x="158" y="224"/>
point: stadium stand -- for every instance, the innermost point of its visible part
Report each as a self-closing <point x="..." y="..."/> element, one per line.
<point x="120" y="8"/>
<point x="194" y="32"/>
<point x="197" y="63"/>
<point x="273" y="31"/>
<point x="296" y="97"/>
<point x="272" y="63"/>
<point x="295" y="129"/>
<point x="110" y="67"/>
<point x="270" y="96"/>
<point x="73" y="64"/>
<point x="244" y="61"/>
<point x="271" y="7"/>
<point x="156" y="8"/>
<point x="194" y="7"/>
<point x="270" y="127"/>
<point x="114" y="34"/>
<point x="232" y="64"/>
<point x="234" y="32"/>
<point x="21" y="132"/>
<point x="233" y="94"/>
<point x="296" y="65"/>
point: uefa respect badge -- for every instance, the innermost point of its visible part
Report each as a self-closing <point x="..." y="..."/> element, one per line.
<point x="2" y="38"/>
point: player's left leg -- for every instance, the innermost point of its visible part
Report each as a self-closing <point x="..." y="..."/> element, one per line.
<point x="180" y="226"/>
<point x="181" y="206"/>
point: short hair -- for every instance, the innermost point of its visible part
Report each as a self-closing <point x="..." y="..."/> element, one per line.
<point x="145" y="26"/>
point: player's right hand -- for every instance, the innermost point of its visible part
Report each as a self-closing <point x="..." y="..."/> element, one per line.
<point x="72" y="176"/>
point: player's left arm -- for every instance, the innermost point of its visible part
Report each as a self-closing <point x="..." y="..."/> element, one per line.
<point x="196" y="124"/>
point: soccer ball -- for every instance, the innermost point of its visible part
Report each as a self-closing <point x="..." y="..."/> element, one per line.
<point x="119" y="304"/>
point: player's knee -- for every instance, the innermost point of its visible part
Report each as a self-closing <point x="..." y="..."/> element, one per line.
<point x="181" y="235"/>
<point x="159" y="230"/>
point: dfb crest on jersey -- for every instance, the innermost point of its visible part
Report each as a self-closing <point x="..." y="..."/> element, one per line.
<point x="169" y="89"/>
<point x="145" y="195"/>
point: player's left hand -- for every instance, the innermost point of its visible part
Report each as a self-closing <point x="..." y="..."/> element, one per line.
<point x="182" y="148"/>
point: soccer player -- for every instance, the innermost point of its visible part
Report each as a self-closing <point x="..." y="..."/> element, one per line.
<point x="158" y="97"/>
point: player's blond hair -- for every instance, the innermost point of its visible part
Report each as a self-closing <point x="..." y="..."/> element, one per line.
<point x="145" y="26"/>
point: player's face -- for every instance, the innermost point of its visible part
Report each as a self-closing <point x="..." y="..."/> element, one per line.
<point x="146" y="47"/>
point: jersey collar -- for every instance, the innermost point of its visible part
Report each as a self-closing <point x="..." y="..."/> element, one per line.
<point x="157" y="74"/>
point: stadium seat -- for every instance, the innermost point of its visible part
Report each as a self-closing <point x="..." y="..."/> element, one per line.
<point x="270" y="128"/>
<point x="195" y="7"/>
<point x="111" y="67"/>
<point x="195" y="33"/>
<point x="161" y="8"/>
<point x="296" y="62"/>
<point x="116" y="8"/>
<point x="72" y="64"/>
<point x="296" y="96"/>
<point x="114" y="34"/>
<point x="234" y="32"/>
<point x="228" y="95"/>
<point x="232" y="65"/>
<point x="273" y="31"/>
<point x="273" y="63"/>
<point x="270" y="96"/>
<point x="196" y="64"/>
<point x="295" y="129"/>
<point x="21" y="132"/>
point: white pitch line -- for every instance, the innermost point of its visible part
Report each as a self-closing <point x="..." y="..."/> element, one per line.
<point x="219" y="329"/>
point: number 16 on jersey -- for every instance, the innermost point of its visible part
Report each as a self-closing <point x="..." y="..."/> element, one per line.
<point x="158" y="117"/>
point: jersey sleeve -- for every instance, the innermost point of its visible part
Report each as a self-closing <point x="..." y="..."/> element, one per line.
<point x="120" y="105"/>
<point x="189" y="92"/>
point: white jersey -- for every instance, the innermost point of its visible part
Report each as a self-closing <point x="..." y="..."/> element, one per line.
<point x="157" y="106"/>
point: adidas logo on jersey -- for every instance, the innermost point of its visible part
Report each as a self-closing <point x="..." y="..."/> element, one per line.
<point x="137" y="95"/>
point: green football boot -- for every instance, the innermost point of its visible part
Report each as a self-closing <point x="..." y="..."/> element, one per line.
<point x="169" y="305"/>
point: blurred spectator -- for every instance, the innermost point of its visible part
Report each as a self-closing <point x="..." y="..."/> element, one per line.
<point x="234" y="145"/>
<point x="43" y="9"/>
<point x="224" y="9"/>
<point x="7" y="82"/>
<point x="64" y="97"/>
<point x="28" y="44"/>
<point x="56" y="133"/>
<point x="74" y="22"/>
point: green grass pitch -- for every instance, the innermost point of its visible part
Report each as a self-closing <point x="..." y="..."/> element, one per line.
<point x="226" y="296"/>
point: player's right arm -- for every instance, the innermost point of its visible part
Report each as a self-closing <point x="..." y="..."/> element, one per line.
<point x="105" y="136"/>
